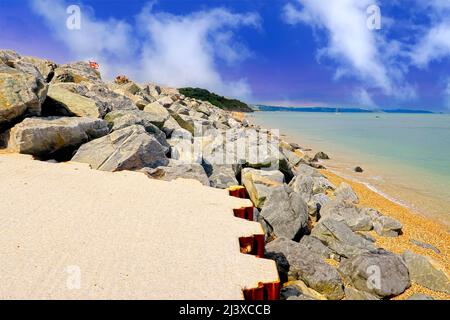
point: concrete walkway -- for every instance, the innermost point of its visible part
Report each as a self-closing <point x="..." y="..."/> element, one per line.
<point x="69" y="232"/>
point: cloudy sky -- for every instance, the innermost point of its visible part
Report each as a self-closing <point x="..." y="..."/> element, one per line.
<point x="279" y="52"/>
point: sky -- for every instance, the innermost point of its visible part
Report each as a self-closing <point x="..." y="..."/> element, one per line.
<point x="373" y="54"/>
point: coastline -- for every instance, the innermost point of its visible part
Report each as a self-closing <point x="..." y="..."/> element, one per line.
<point x="416" y="225"/>
<point x="394" y="188"/>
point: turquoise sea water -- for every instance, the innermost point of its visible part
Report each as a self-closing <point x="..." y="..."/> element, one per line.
<point x="407" y="154"/>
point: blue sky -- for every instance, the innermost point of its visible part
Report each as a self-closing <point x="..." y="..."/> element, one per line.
<point x="280" y="52"/>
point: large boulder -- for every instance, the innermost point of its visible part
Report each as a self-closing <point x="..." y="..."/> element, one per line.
<point x="380" y="273"/>
<point x="302" y="264"/>
<point x="426" y="272"/>
<point x="259" y="183"/>
<point x="84" y="99"/>
<point x="387" y="226"/>
<point x="345" y="193"/>
<point x="159" y="114"/>
<point x="118" y="120"/>
<point x="337" y="236"/>
<point x="103" y="95"/>
<point x="305" y="170"/>
<point x="309" y="183"/>
<point x="21" y="93"/>
<point x="176" y="169"/>
<point x="132" y="91"/>
<point x="223" y="176"/>
<point x="348" y="213"/>
<point x="45" y="136"/>
<point x="131" y="148"/>
<point x="45" y="67"/>
<point x="316" y="246"/>
<point x="286" y="213"/>
<point x="76" y="72"/>
<point x="61" y="100"/>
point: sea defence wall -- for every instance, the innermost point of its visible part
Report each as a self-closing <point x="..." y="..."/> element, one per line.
<point x="70" y="232"/>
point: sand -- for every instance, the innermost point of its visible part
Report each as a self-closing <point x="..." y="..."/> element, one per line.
<point x="69" y="232"/>
<point x="415" y="227"/>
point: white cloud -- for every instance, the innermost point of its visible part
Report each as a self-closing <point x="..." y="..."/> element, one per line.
<point x="169" y="49"/>
<point x="350" y="42"/>
<point x="435" y="45"/>
<point x="183" y="50"/>
<point x="364" y="99"/>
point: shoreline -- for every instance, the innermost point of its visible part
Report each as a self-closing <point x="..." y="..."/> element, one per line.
<point x="416" y="226"/>
<point x="402" y="193"/>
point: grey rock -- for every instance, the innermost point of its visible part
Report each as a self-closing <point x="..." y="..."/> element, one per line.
<point x="315" y="205"/>
<point x="44" y="136"/>
<point x="131" y="148"/>
<point x="316" y="246"/>
<point x="259" y="183"/>
<point x="76" y="72"/>
<point x="176" y="169"/>
<point x="345" y="193"/>
<point x="110" y="100"/>
<point x="118" y="120"/>
<point x="425" y="245"/>
<point x="387" y="226"/>
<point x="223" y="176"/>
<point x="359" y="169"/>
<point x="380" y="273"/>
<point x="302" y="264"/>
<point x="169" y="126"/>
<point x="337" y="236"/>
<point x="426" y="272"/>
<point x="303" y="185"/>
<point x="308" y="186"/>
<point x="8" y="56"/>
<point x="165" y="101"/>
<point x="152" y="90"/>
<point x="159" y="114"/>
<point x="21" y="93"/>
<point x="294" y="158"/>
<point x="45" y="67"/>
<point x="348" y="213"/>
<point x="320" y="156"/>
<point x="286" y="213"/>
<point x="305" y="170"/>
<point x="354" y="294"/>
<point x="62" y="101"/>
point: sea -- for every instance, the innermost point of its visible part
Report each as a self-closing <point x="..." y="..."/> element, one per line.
<point x="405" y="157"/>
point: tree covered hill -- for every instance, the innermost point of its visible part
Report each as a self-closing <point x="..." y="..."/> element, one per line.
<point x="218" y="101"/>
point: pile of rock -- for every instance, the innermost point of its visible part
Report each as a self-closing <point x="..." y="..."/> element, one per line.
<point x="66" y="112"/>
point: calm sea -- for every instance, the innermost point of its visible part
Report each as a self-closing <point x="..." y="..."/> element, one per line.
<point x="405" y="156"/>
